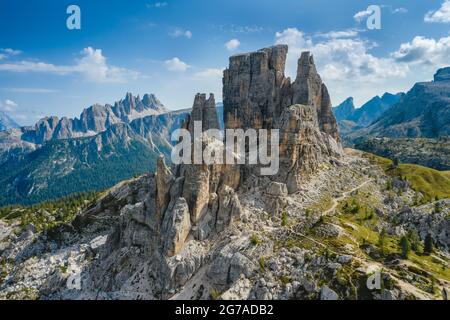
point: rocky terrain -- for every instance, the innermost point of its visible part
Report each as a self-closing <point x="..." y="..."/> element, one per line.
<point x="318" y="229"/>
<point x="368" y="112"/>
<point x="351" y="119"/>
<point x="424" y="112"/>
<point x="427" y="152"/>
<point x="62" y="156"/>
<point x="6" y="122"/>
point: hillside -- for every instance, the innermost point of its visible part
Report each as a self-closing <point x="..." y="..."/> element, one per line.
<point x="424" y="112"/>
<point x="327" y="221"/>
<point x="351" y="119"/>
<point x="431" y="183"/>
<point x="32" y="173"/>
<point x="433" y="153"/>
<point x="6" y="122"/>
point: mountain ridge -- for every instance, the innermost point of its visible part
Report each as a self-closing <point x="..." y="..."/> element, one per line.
<point x="6" y="122"/>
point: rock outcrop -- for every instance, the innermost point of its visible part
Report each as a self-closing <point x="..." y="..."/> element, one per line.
<point x="6" y="122"/>
<point x="257" y="95"/>
<point x="422" y="113"/>
<point x="303" y="147"/>
<point x="442" y="74"/>
<point x="95" y="119"/>
<point x="199" y="200"/>
<point x="158" y="240"/>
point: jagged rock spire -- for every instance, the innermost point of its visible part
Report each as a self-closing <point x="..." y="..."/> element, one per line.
<point x="256" y="91"/>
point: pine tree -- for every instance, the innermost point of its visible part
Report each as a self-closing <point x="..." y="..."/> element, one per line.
<point x="428" y="245"/>
<point x="414" y="239"/>
<point x="405" y="246"/>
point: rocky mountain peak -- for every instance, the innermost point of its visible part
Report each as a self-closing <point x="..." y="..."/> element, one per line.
<point x="442" y="74"/>
<point x="6" y="122"/>
<point x="306" y="66"/>
<point x="95" y="119"/>
<point x="204" y="110"/>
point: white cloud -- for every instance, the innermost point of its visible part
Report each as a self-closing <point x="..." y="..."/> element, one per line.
<point x="349" y="33"/>
<point x="92" y="65"/>
<point x="339" y="58"/>
<point x="29" y="90"/>
<point x="293" y="37"/>
<point x="8" y="105"/>
<point x="400" y="10"/>
<point x="210" y="73"/>
<point x="239" y="29"/>
<point x="359" y="16"/>
<point x="11" y="52"/>
<point x="426" y="51"/>
<point x="157" y="5"/>
<point x="176" y="65"/>
<point x="8" y="52"/>
<point x="179" y="32"/>
<point x="346" y="64"/>
<point x="233" y="44"/>
<point x="441" y="15"/>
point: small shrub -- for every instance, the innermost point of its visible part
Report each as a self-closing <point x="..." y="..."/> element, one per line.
<point x="214" y="294"/>
<point x="284" y="219"/>
<point x="262" y="264"/>
<point x="254" y="240"/>
<point x="285" y="280"/>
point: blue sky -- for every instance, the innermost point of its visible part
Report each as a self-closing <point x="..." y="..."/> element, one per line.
<point x="178" y="48"/>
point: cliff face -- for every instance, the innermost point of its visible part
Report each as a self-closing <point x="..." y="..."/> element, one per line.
<point x="258" y="95"/>
<point x="95" y="119"/>
<point x="422" y="113"/>
<point x="158" y="243"/>
<point x="200" y="199"/>
<point x="196" y="201"/>
<point x="256" y="91"/>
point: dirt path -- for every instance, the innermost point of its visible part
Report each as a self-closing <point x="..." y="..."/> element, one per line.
<point x="344" y="195"/>
<point x="368" y="264"/>
<point x="373" y="265"/>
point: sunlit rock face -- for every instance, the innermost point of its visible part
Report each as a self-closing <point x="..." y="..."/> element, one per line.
<point x="258" y="95"/>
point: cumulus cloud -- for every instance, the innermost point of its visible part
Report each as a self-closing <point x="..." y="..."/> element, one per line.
<point x="422" y="50"/>
<point x="441" y="15"/>
<point x="210" y="73"/>
<point x="176" y="65"/>
<point x="346" y="64"/>
<point x="293" y="37"/>
<point x="8" y="52"/>
<point x="8" y="105"/>
<point x="233" y="44"/>
<point x="361" y="15"/>
<point x="92" y="65"/>
<point x="340" y="58"/>
<point x="179" y="32"/>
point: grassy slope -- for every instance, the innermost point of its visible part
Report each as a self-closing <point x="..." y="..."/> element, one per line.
<point x="431" y="183"/>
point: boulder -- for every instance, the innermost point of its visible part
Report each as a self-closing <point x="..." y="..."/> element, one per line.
<point x="328" y="294"/>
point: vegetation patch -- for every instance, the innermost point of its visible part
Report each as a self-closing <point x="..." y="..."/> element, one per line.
<point x="433" y="184"/>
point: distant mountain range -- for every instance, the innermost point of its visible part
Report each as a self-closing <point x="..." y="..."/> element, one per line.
<point x="424" y="112"/>
<point x="351" y="118"/>
<point x="6" y="122"/>
<point x="369" y="112"/>
<point x="57" y="157"/>
<point x="415" y="128"/>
